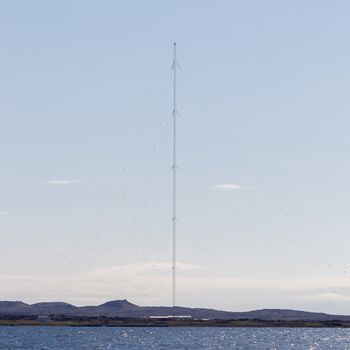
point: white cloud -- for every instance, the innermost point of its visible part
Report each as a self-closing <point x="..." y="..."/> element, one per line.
<point x="144" y="283"/>
<point x="140" y="268"/>
<point x="227" y="187"/>
<point x="2" y="212"/>
<point x="61" y="182"/>
<point x="149" y="283"/>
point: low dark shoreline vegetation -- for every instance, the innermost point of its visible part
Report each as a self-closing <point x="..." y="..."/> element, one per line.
<point x="102" y="321"/>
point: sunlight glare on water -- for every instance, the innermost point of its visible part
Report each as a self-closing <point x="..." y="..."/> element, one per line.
<point x="57" y="338"/>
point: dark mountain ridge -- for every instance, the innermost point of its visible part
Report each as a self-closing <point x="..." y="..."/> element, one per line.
<point x="123" y="308"/>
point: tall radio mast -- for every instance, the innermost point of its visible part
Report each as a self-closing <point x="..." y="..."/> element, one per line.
<point x="174" y="168"/>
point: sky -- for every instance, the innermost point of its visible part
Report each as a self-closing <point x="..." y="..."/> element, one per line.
<point x="263" y="145"/>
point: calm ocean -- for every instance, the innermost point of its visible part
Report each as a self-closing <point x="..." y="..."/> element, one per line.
<point x="62" y="338"/>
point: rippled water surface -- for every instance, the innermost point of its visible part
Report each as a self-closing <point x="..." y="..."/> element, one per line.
<point x="172" y="338"/>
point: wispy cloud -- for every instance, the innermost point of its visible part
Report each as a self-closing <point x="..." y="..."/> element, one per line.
<point x="139" y="268"/>
<point x="3" y="212"/>
<point x="61" y="182"/>
<point x="227" y="187"/>
<point x="150" y="283"/>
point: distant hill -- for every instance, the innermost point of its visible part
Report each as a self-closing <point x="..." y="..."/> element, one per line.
<point x="123" y="308"/>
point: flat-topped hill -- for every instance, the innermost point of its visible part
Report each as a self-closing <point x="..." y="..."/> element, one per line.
<point x="123" y="308"/>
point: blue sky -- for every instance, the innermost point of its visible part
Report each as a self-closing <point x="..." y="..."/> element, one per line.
<point x="85" y="181"/>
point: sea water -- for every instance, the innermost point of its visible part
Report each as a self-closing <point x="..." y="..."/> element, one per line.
<point x="62" y="338"/>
